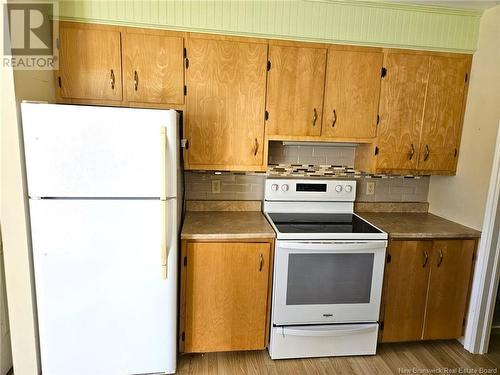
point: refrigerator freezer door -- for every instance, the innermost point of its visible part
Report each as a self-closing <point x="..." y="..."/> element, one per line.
<point x="104" y="306"/>
<point x="85" y="151"/>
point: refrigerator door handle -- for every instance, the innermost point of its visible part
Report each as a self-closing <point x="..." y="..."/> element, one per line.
<point x="163" y="163"/>
<point x="165" y="248"/>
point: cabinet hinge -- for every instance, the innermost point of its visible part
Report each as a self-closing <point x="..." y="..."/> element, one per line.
<point x="59" y="81"/>
<point x="183" y="336"/>
<point x="466" y="77"/>
<point x="186" y="58"/>
<point x="378" y="119"/>
<point x="58" y="43"/>
<point x="185" y="261"/>
<point x="266" y="115"/>
<point x="474" y="256"/>
<point x="185" y="90"/>
<point x="389" y="258"/>
<point x="383" y="72"/>
<point x="463" y="323"/>
<point x="376" y="150"/>
<point x="456" y="153"/>
<point x="184" y="143"/>
<point x="268" y="65"/>
<point x="381" y="326"/>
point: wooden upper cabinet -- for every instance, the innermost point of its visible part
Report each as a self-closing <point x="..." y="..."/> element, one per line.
<point x="295" y="90"/>
<point x="402" y="100"/>
<point x="352" y="91"/>
<point x="226" y="87"/>
<point x="405" y="290"/>
<point x="450" y="273"/>
<point x="443" y="116"/>
<point x="153" y="66"/>
<point x="226" y="296"/>
<point x="90" y="62"/>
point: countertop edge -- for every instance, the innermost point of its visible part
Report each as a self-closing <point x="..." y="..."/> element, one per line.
<point x="226" y="236"/>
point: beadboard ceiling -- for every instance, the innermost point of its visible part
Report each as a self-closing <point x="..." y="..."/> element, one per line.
<point x="375" y="23"/>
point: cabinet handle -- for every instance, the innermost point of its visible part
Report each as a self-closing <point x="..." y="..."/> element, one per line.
<point x="112" y="79"/>
<point x="256" y="148"/>
<point x="426" y="258"/>
<point x="412" y="152"/>
<point x="315" y="117"/>
<point x="136" y="80"/>
<point x="334" y="118"/>
<point x="427" y="153"/>
<point x="261" y="262"/>
<point x="440" y="260"/>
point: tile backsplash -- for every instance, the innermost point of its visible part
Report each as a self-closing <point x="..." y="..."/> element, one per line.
<point x="313" y="160"/>
<point x="250" y="186"/>
<point x="315" y="154"/>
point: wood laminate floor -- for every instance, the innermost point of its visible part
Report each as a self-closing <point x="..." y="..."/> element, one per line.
<point x="439" y="357"/>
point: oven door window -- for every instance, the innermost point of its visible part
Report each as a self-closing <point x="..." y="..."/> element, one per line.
<point x="316" y="279"/>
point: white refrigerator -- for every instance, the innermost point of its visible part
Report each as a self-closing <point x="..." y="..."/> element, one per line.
<point x="103" y="185"/>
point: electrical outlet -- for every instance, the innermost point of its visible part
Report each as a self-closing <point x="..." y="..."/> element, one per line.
<point x="215" y="186"/>
<point x="370" y="188"/>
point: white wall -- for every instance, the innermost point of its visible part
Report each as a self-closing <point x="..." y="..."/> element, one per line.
<point x="13" y="214"/>
<point x="462" y="198"/>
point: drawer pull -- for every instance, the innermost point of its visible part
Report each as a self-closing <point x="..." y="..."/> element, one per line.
<point x="440" y="260"/>
<point x="412" y="152"/>
<point x="261" y="262"/>
<point x="334" y="118"/>
<point x="426" y="258"/>
<point x="315" y="117"/>
<point x="112" y="79"/>
<point x="136" y="80"/>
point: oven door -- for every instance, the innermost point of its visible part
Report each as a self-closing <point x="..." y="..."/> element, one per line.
<point x="327" y="282"/>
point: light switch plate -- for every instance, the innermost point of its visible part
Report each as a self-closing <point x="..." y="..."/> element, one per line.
<point x="370" y="188"/>
<point x="215" y="186"/>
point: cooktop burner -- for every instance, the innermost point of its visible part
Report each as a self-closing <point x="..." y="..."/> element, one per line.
<point x="321" y="223"/>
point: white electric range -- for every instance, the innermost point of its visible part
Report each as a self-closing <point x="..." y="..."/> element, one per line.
<point x="328" y="270"/>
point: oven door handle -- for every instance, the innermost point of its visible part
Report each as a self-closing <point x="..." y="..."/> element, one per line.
<point x="338" y="331"/>
<point x="308" y="246"/>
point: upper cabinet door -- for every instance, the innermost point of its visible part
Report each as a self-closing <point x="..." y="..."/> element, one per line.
<point x="226" y="89"/>
<point x="90" y="62"/>
<point x="295" y="90"/>
<point x="153" y="67"/>
<point x="352" y="92"/>
<point x="402" y="101"/>
<point x="443" y="115"/>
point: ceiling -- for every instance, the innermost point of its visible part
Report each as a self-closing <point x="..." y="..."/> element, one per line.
<point x="473" y="4"/>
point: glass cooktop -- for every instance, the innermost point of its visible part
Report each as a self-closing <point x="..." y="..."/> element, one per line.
<point x="321" y="223"/>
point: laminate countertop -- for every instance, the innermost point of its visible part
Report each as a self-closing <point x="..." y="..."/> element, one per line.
<point x="209" y="225"/>
<point x="418" y="225"/>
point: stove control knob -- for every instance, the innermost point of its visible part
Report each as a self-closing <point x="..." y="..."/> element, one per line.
<point x="338" y="188"/>
<point x="348" y="188"/>
<point x="274" y="187"/>
<point x="284" y="187"/>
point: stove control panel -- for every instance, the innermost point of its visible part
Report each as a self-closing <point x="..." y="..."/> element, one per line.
<point x="284" y="189"/>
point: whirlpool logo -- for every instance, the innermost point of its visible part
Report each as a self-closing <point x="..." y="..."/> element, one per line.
<point x="29" y="35"/>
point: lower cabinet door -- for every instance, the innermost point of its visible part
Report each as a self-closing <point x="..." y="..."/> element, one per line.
<point x="405" y="290"/>
<point x="226" y="296"/>
<point x="450" y="273"/>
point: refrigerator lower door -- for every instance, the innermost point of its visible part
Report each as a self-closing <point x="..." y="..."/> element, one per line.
<point x="104" y="305"/>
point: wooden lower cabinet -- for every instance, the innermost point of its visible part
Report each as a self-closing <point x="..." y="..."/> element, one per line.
<point x="426" y="286"/>
<point x="225" y="295"/>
